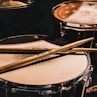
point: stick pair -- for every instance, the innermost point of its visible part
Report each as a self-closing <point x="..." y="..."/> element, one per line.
<point x="29" y="60"/>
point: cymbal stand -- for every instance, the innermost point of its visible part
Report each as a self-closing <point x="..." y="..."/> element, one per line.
<point x="84" y="32"/>
<point x="94" y="28"/>
<point x="94" y="31"/>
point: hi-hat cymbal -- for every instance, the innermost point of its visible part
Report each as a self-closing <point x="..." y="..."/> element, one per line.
<point x="10" y="4"/>
<point x="76" y="12"/>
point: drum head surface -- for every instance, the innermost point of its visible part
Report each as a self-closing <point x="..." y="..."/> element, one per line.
<point x="77" y="12"/>
<point x="52" y="71"/>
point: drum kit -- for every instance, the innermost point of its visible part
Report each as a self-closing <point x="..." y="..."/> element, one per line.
<point x="54" y="71"/>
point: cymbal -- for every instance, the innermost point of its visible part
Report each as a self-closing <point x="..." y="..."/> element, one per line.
<point x="10" y="4"/>
<point x="78" y="12"/>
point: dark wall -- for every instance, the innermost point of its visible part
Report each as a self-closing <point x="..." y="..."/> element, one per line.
<point x="37" y="18"/>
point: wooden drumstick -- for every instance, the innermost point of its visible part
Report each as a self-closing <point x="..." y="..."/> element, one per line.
<point x="74" y="50"/>
<point x="22" y="50"/>
<point x="29" y="60"/>
<point x="33" y="50"/>
<point x="84" y="50"/>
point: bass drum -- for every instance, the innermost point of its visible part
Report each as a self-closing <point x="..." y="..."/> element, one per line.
<point x="55" y="76"/>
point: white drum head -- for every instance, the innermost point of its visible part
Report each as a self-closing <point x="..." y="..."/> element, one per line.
<point x="56" y="70"/>
<point x="78" y="12"/>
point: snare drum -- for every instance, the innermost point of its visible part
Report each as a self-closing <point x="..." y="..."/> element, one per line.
<point x="54" y="77"/>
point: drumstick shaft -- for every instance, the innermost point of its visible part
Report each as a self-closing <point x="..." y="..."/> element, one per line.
<point x="22" y="50"/>
<point x="31" y="50"/>
<point x="29" y="60"/>
<point x="84" y="49"/>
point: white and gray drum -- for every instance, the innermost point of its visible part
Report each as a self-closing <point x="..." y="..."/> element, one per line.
<point x="56" y="76"/>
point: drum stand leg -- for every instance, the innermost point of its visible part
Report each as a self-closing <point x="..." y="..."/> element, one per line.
<point x="94" y="28"/>
<point x="84" y="89"/>
<point x="87" y="81"/>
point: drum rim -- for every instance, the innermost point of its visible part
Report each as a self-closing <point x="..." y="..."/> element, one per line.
<point x="36" y="36"/>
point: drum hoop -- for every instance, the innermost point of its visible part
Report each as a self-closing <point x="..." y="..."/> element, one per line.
<point x="36" y="36"/>
<point x="87" y="70"/>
